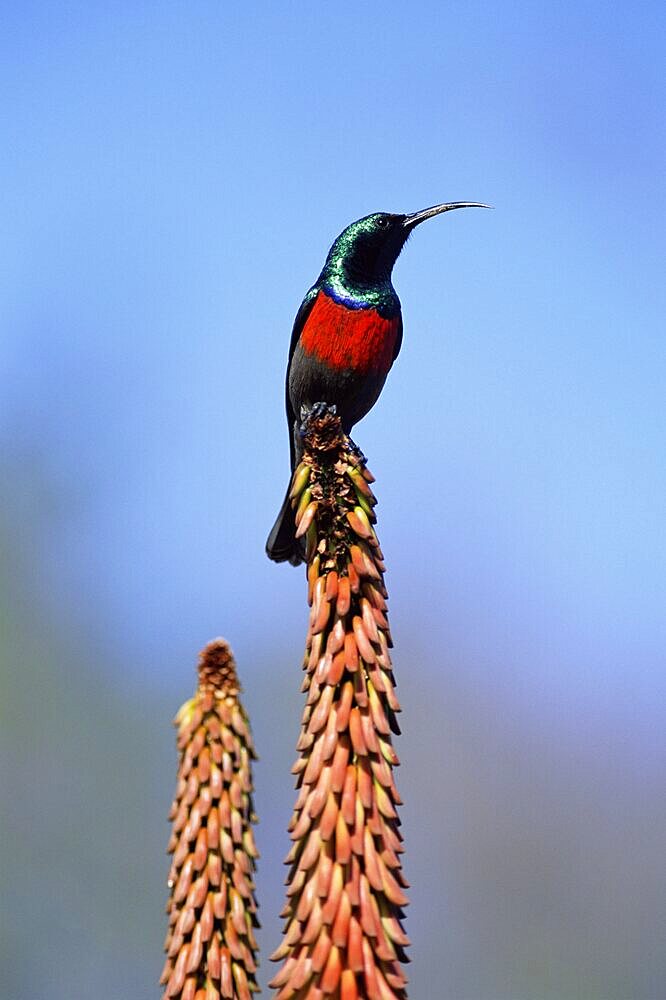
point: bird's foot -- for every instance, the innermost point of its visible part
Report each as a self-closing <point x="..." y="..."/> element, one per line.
<point x="315" y="412"/>
<point x="357" y="455"/>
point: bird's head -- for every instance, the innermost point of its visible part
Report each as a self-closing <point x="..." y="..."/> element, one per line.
<point x="364" y="253"/>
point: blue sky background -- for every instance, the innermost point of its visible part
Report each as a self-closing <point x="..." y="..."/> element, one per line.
<point x="171" y="178"/>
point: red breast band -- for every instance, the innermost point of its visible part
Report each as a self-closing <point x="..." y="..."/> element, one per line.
<point x="343" y="338"/>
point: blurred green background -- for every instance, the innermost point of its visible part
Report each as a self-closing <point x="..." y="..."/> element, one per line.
<point x="171" y="179"/>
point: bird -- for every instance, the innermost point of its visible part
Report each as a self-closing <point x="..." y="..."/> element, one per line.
<point x="346" y="335"/>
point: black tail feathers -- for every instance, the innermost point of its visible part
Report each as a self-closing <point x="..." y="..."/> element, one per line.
<point x="282" y="544"/>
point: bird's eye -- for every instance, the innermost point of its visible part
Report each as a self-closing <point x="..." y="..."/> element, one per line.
<point x="382" y="222"/>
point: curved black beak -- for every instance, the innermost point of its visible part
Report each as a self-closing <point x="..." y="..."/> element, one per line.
<point x="413" y="220"/>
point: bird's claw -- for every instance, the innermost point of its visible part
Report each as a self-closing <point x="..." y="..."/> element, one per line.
<point x="314" y="412"/>
<point x="356" y="453"/>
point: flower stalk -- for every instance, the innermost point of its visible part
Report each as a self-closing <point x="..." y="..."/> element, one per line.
<point x="210" y="943"/>
<point x="343" y="936"/>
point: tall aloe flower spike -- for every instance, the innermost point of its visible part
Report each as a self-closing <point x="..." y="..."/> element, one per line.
<point x="343" y="937"/>
<point x="210" y="944"/>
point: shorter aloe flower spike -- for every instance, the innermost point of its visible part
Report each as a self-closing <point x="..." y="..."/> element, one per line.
<point x="343" y="938"/>
<point x="210" y="944"/>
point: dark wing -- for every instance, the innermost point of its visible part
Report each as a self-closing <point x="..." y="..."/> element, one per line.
<point x="398" y="339"/>
<point x="301" y="318"/>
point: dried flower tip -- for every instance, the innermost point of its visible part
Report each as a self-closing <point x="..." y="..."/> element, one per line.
<point x="217" y="669"/>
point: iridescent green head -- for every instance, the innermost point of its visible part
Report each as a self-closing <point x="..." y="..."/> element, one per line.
<point x="363" y="255"/>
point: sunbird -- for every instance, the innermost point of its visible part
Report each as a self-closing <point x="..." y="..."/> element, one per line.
<point x="346" y="336"/>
